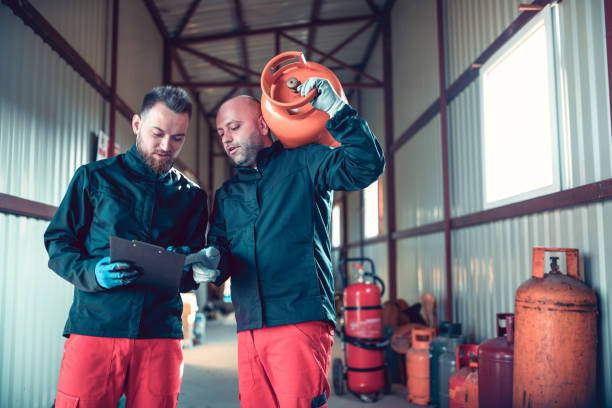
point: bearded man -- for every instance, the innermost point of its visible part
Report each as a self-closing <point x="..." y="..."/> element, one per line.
<point x="124" y="338"/>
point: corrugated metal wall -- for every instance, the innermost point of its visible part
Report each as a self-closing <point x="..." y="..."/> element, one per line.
<point x="470" y="27"/>
<point x="415" y="60"/>
<point x="47" y="116"/>
<point x="421" y="268"/>
<point x="586" y="148"/>
<point x="491" y="261"/>
<point x="34" y="303"/>
<point x="418" y="183"/>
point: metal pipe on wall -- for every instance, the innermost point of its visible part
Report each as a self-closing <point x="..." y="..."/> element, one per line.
<point x="445" y="166"/>
<point x="390" y="167"/>
<point x="113" y="85"/>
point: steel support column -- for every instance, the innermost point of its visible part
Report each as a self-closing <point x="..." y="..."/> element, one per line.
<point x="390" y="166"/>
<point x="113" y="85"/>
<point x="445" y="176"/>
<point x="608" y="12"/>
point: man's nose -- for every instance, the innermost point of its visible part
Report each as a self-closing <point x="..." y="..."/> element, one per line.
<point x="164" y="143"/>
<point x="227" y="138"/>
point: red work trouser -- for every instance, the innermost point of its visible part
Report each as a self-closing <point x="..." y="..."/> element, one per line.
<point x="97" y="370"/>
<point x="285" y="366"/>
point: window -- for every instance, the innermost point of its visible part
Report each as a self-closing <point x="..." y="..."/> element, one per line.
<point x="519" y="117"/>
<point x="336" y="232"/>
<point x="370" y="210"/>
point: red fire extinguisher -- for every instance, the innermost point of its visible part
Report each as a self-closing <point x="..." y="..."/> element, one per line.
<point x="362" y="336"/>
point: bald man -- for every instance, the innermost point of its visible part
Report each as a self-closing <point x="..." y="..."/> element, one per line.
<point x="270" y="222"/>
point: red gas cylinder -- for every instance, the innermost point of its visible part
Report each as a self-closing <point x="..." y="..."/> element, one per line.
<point x="495" y="357"/>
<point x="555" y="346"/>
<point x="471" y="384"/>
<point x="289" y="115"/>
<point x="417" y="366"/>
<point x="456" y="383"/>
<point x="363" y="325"/>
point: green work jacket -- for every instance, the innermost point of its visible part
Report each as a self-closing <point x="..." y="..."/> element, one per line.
<point x="271" y="224"/>
<point x="123" y="197"/>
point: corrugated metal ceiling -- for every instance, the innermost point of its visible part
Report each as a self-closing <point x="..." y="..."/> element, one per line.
<point x="219" y="38"/>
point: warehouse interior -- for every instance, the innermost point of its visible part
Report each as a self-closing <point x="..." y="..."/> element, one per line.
<point x="491" y="149"/>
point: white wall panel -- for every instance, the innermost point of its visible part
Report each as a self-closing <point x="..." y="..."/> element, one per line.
<point x="418" y="178"/>
<point x="415" y="60"/>
<point x="34" y="304"/>
<point x="471" y="26"/>
<point x="86" y="25"/>
<point x="421" y="268"/>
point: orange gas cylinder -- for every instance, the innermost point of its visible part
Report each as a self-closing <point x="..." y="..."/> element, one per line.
<point x="289" y="115"/>
<point x="555" y="344"/>
<point x="471" y="384"/>
<point x="456" y="383"/>
<point x="417" y="366"/>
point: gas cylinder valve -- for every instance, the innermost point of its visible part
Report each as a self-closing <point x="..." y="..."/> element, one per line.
<point x="554" y="267"/>
<point x="293" y="83"/>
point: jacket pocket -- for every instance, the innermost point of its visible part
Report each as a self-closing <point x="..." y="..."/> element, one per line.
<point x="112" y="212"/>
<point x="239" y="214"/>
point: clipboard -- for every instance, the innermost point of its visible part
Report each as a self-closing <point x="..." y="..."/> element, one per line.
<point x="161" y="269"/>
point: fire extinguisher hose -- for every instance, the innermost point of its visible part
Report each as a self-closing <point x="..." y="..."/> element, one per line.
<point x="368" y="344"/>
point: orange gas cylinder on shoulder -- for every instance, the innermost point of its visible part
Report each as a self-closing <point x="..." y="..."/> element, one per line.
<point x="290" y="116"/>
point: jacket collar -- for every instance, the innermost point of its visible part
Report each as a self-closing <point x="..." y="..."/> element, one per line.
<point x="134" y="161"/>
<point x="263" y="158"/>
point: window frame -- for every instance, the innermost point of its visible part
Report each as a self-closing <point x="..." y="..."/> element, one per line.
<point x="544" y="18"/>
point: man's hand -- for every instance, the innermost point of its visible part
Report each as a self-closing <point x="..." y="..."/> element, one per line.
<point x="204" y="274"/>
<point x="327" y="100"/>
<point x="113" y="274"/>
<point x="204" y="263"/>
<point x="208" y="257"/>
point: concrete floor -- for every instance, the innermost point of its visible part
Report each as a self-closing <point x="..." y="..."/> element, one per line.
<point x="210" y="378"/>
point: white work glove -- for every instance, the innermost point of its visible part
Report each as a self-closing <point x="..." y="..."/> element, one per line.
<point x="327" y="100"/>
<point x="204" y="274"/>
<point x="204" y="264"/>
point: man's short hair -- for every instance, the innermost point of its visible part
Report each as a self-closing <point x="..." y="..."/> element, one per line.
<point x="176" y="99"/>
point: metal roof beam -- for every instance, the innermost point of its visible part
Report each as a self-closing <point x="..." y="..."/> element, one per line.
<point x="336" y="60"/>
<point x="33" y="19"/>
<point x="270" y="30"/>
<point x="159" y="23"/>
<point x="372" y="6"/>
<point x="219" y="63"/>
<point x="213" y="111"/>
<point x="243" y="45"/>
<point x="188" y="14"/>
<point x="348" y="39"/>
<point x="312" y="31"/>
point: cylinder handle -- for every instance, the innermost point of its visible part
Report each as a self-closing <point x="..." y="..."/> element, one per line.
<point x="501" y="331"/>
<point x="462" y="354"/>
<point x="571" y="258"/>
<point x="275" y="68"/>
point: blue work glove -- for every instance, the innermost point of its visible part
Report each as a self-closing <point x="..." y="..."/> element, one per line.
<point x="113" y="274"/>
<point x="327" y="100"/>
<point x="204" y="264"/>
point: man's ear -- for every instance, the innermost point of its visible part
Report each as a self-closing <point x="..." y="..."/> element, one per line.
<point x="136" y="123"/>
<point x="262" y="125"/>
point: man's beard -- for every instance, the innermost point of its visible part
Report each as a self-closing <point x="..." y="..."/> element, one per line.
<point x="158" y="166"/>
